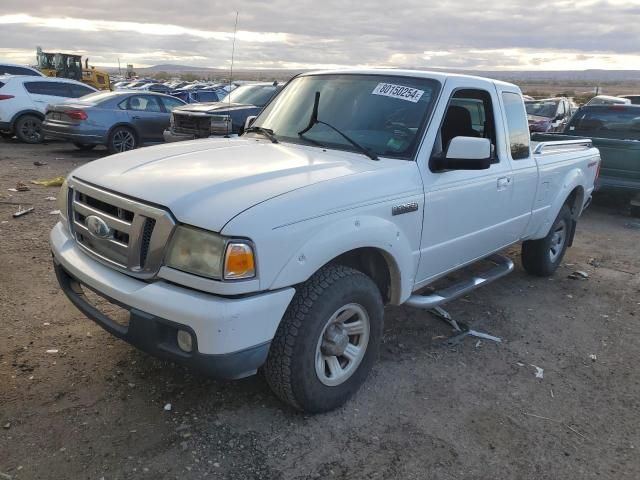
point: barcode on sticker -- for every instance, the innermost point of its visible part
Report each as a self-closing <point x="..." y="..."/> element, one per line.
<point x="398" y="91"/>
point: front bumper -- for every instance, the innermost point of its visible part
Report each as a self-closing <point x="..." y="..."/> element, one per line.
<point x="231" y="336"/>
<point x="170" y="136"/>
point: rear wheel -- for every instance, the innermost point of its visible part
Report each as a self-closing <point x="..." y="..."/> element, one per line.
<point x="327" y="341"/>
<point x="83" y="146"/>
<point x="542" y="257"/>
<point x="122" y="139"/>
<point x="28" y="129"/>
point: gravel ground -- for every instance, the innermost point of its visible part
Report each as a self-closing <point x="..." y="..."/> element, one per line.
<point x="475" y="410"/>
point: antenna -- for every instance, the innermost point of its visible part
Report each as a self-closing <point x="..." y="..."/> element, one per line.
<point x="233" y="51"/>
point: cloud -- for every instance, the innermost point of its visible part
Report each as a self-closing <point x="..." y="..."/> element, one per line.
<point x="512" y="34"/>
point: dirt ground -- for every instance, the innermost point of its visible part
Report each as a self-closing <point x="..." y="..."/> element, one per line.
<point x="475" y="410"/>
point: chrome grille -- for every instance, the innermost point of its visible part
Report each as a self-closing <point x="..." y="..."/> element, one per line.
<point x="118" y="231"/>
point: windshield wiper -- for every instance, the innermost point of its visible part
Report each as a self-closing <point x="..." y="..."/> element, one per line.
<point x="314" y="121"/>
<point x="267" y="132"/>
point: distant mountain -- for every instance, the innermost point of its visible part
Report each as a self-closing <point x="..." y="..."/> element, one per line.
<point x="589" y="76"/>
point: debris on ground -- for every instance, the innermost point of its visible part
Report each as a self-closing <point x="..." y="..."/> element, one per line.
<point x="579" y="275"/>
<point x="22" y="211"/>
<point x="54" y="212"/>
<point x="167" y="407"/>
<point x="38" y="163"/>
<point x="593" y="357"/>
<point x="49" y="182"/>
<point x="51" y="199"/>
<point x="52" y="350"/>
<point x="539" y="371"/>
<point x="7" y="426"/>
<point x="22" y="187"/>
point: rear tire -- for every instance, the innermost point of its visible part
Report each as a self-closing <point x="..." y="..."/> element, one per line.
<point x="328" y="340"/>
<point x="122" y="139"/>
<point x="542" y="257"/>
<point x="28" y="129"/>
<point x="83" y="146"/>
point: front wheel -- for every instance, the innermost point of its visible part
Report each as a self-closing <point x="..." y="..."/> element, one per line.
<point x="542" y="257"/>
<point x="327" y="341"/>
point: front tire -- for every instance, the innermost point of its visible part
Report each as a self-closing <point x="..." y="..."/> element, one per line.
<point x="542" y="257"/>
<point x="122" y="139"/>
<point x="28" y="129"/>
<point x="327" y="341"/>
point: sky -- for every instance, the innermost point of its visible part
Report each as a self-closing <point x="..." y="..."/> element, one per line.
<point x="465" y="34"/>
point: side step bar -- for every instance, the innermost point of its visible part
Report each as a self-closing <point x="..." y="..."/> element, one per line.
<point x="504" y="265"/>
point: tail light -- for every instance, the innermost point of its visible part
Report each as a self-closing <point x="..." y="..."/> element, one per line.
<point x="598" y="169"/>
<point x="77" y="114"/>
<point x="6" y="97"/>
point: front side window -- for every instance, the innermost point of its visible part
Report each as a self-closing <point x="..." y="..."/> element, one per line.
<point x="517" y="125"/>
<point x="385" y="114"/>
<point x="469" y="114"/>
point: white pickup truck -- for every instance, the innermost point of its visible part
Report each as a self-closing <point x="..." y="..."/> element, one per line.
<point x="279" y="249"/>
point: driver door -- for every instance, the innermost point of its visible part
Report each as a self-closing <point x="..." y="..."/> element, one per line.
<point x="466" y="214"/>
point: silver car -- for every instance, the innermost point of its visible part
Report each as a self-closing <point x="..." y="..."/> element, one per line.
<point x="120" y="120"/>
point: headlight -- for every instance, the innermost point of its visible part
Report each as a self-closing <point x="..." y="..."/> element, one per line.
<point x="63" y="200"/>
<point x="210" y="255"/>
<point x="220" y="124"/>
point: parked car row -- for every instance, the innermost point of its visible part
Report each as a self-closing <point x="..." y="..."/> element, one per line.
<point x="33" y="108"/>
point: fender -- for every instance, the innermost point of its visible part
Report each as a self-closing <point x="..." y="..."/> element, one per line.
<point x="573" y="179"/>
<point x="14" y="119"/>
<point x="350" y="233"/>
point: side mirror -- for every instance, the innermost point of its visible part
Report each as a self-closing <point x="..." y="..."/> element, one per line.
<point x="465" y="153"/>
<point x="249" y="121"/>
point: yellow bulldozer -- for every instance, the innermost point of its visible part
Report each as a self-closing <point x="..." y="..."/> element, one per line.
<point x="66" y="65"/>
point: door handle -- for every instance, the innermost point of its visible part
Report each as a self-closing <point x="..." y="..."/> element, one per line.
<point x="503" y="182"/>
<point x="136" y="117"/>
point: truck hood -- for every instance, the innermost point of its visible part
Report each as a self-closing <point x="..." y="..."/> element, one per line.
<point x="213" y="107"/>
<point x="232" y="174"/>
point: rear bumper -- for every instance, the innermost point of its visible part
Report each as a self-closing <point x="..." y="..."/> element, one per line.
<point x="73" y="135"/>
<point x="231" y="337"/>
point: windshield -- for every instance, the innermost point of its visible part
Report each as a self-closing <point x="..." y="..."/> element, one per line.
<point x="257" y="95"/>
<point x="542" y="108"/>
<point x="385" y="114"/>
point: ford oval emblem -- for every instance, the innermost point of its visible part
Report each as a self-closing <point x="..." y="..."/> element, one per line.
<point x="97" y="227"/>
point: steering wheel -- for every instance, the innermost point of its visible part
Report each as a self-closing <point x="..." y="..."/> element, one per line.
<point x="398" y="127"/>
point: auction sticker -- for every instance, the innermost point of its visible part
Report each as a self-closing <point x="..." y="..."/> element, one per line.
<point x="398" y="91"/>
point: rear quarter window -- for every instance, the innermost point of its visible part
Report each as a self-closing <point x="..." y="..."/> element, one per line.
<point x="517" y="125"/>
